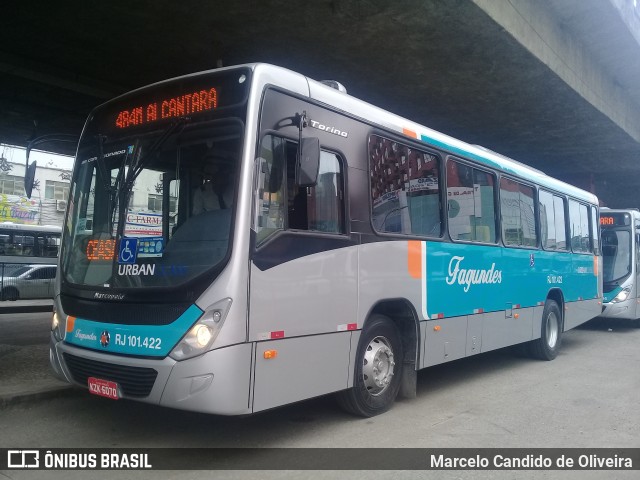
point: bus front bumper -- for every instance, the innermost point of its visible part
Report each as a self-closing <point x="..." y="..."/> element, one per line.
<point x="216" y="382"/>
<point x="624" y="309"/>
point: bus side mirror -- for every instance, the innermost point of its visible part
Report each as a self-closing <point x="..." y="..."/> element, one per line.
<point x="30" y="170"/>
<point x="29" y="178"/>
<point x="308" y="162"/>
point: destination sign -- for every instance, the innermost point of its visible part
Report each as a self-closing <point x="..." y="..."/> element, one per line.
<point x="175" y="107"/>
<point x="615" y="220"/>
<point x="199" y="97"/>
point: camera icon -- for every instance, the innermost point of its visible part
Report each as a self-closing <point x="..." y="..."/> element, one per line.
<point x="23" y="459"/>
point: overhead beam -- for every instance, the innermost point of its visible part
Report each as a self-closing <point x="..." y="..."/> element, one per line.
<point x="73" y="83"/>
<point x="534" y="26"/>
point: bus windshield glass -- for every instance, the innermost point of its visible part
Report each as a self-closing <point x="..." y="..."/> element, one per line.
<point x="153" y="191"/>
<point x="616" y="252"/>
<point x="152" y="209"/>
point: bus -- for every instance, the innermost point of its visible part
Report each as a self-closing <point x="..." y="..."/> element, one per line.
<point x="621" y="263"/>
<point x="21" y="243"/>
<point x="307" y="243"/>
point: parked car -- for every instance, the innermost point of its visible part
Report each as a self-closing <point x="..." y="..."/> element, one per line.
<point x="28" y="281"/>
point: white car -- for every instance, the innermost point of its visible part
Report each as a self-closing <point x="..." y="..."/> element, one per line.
<point x="28" y="281"/>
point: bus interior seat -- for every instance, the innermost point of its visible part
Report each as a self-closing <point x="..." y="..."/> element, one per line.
<point x="204" y="199"/>
<point x="203" y="239"/>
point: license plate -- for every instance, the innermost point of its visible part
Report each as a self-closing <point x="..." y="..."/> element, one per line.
<point x="104" y="388"/>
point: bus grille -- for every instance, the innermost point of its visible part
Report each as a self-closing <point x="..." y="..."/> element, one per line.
<point x="134" y="381"/>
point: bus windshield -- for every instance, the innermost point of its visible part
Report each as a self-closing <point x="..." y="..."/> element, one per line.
<point x="616" y="252"/>
<point x="152" y="209"/>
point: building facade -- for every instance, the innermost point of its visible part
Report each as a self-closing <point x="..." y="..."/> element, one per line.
<point x="48" y="200"/>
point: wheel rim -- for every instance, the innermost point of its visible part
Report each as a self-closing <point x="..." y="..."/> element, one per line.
<point x="378" y="366"/>
<point x="552" y="330"/>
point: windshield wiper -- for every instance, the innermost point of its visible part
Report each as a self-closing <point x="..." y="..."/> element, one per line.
<point x="100" y="161"/>
<point x="136" y="169"/>
<point x="124" y="187"/>
<point x="124" y="182"/>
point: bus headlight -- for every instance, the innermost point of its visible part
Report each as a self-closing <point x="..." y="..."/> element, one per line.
<point x="199" y="339"/>
<point x="622" y="296"/>
<point x="55" y="326"/>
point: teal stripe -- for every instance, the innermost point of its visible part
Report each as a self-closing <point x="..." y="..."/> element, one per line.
<point x="461" y="278"/>
<point x="514" y="168"/>
<point x="144" y="340"/>
<point x="466" y="154"/>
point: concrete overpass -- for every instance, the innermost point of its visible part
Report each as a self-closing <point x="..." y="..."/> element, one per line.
<point x="552" y="83"/>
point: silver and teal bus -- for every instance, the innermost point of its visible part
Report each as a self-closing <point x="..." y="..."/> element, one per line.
<point x="302" y="242"/>
<point x="621" y="263"/>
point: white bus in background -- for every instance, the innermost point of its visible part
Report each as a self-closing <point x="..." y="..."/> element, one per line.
<point x="28" y="259"/>
<point x="29" y="244"/>
<point x="620" y="230"/>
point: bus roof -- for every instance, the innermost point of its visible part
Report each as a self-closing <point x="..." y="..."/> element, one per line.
<point x="267" y="74"/>
<point x="341" y="101"/>
<point x="370" y="113"/>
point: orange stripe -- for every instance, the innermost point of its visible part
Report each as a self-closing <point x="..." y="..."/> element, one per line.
<point x="595" y="266"/>
<point x="70" y="323"/>
<point x="414" y="258"/>
<point x="409" y="133"/>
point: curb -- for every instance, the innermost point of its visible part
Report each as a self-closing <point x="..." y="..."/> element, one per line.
<point x="49" y="393"/>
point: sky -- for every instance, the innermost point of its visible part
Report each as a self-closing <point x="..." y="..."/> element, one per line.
<point x="45" y="159"/>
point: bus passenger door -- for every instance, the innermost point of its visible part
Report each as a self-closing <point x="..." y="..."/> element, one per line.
<point x="303" y="287"/>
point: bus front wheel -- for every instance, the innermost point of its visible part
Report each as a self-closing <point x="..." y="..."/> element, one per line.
<point x="377" y="371"/>
<point x="547" y="346"/>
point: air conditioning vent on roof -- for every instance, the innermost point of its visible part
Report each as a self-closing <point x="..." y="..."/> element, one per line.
<point x="61" y="205"/>
<point x="333" y="84"/>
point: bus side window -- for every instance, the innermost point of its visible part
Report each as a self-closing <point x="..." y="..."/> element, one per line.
<point x="284" y="204"/>
<point x="22" y="245"/>
<point x="470" y="203"/>
<point x="48" y="245"/>
<point x="4" y="242"/>
<point x="405" y="188"/>
<point x="552" y="224"/>
<point x="579" y="227"/>
<point x="595" y="225"/>
<point x="517" y="213"/>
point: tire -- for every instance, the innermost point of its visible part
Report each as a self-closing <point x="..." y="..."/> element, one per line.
<point x="547" y="346"/>
<point x="10" y="293"/>
<point x="378" y="369"/>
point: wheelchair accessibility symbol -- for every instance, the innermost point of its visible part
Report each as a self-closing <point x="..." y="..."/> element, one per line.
<point x="128" y="250"/>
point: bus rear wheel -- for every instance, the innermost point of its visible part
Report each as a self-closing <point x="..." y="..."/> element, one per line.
<point x="547" y="346"/>
<point x="377" y="371"/>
